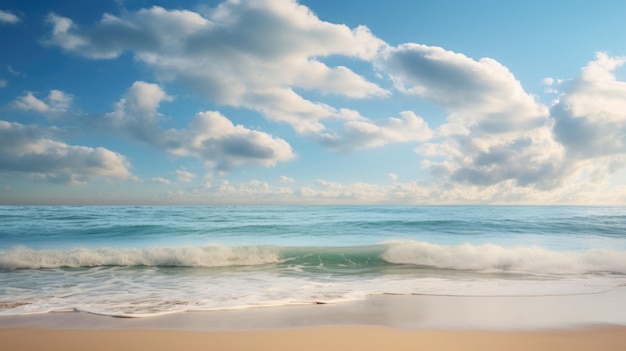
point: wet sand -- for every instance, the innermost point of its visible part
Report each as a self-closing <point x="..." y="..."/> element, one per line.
<point x="575" y="322"/>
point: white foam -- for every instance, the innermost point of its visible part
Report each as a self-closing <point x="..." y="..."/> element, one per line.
<point x="490" y="257"/>
<point x="208" y="256"/>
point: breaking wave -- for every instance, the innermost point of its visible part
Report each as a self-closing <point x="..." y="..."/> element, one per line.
<point x="487" y="257"/>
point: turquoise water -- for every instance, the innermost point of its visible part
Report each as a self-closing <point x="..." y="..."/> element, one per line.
<point x="145" y="261"/>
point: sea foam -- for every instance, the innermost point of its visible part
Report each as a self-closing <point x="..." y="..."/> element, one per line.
<point x="488" y="257"/>
<point x="207" y="256"/>
<point x="478" y="258"/>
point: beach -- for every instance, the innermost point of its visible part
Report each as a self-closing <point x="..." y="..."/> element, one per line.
<point x="581" y="322"/>
<point x="329" y="338"/>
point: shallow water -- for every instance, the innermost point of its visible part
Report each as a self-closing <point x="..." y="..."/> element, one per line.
<point x="147" y="261"/>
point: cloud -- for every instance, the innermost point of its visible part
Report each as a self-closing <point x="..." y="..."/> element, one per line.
<point x="136" y="113"/>
<point x="225" y="54"/>
<point x="8" y="18"/>
<point x="323" y="191"/>
<point x="210" y="136"/>
<point x="360" y="132"/>
<point x="3" y="83"/>
<point x="30" y="151"/>
<point x="159" y="180"/>
<point x="591" y="114"/>
<point x="494" y="131"/>
<point x="217" y="140"/>
<point x="580" y="137"/>
<point x="285" y="179"/>
<point x="497" y="141"/>
<point x="56" y="102"/>
<point x="482" y="94"/>
<point x="184" y="176"/>
<point x="590" y="119"/>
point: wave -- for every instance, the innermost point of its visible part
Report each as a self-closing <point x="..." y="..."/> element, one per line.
<point x="489" y="257"/>
<point x="481" y="258"/>
<point x="208" y="256"/>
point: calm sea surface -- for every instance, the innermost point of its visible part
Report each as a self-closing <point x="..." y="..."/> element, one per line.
<point x="145" y="261"/>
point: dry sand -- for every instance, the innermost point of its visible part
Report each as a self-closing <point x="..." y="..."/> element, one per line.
<point x="325" y="338"/>
<point x="585" y="322"/>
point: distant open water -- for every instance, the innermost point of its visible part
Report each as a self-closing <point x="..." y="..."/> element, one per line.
<point x="146" y="261"/>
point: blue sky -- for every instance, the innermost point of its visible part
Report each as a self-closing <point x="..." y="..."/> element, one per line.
<point x="312" y="102"/>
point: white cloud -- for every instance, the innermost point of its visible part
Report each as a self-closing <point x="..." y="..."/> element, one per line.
<point x="3" y="83"/>
<point x="184" y="176"/>
<point x="497" y="143"/>
<point x="483" y="94"/>
<point x="224" y="54"/>
<point x="143" y="99"/>
<point x="590" y="116"/>
<point x="581" y="137"/>
<point x="360" y="132"/>
<point x="285" y="179"/>
<point x="214" y="138"/>
<point x="59" y="101"/>
<point x="56" y="102"/>
<point x="160" y="180"/>
<point x="210" y="136"/>
<point x="30" y="151"/>
<point x="29" y="102"/>
<point x="411" y="192"/>
<point x="8" y="17"/>
<point x="136" y="114"/>
<point x="393" y="176"/>
<point x="494" y="132"/>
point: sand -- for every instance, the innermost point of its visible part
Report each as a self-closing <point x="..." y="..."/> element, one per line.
<point x="324" y="338"/>
<point x="583" y="322"/>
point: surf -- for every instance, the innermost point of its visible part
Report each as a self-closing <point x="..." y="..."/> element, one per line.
<point x="487" y="258"/>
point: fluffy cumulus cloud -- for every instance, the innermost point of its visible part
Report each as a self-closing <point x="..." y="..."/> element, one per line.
<point x="31" y="151"/>
<point x="253" y="54"/>
<point x="590" y="119"/>
<point x="591" y="114"/>
<point x="56" y="102"/>
<point x="480" y="94"/>
<point x="210" y="136"/>
<point x="494" y="132"/>
<point x="8" y="17"/>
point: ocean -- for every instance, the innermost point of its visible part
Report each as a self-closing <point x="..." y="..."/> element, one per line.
<point x="130" y="261"/>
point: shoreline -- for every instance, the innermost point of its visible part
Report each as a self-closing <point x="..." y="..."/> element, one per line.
<point x="410" y="312"/>
<point x="395" y="322"/>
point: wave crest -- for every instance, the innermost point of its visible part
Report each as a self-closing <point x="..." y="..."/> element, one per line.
<point x="489" y="257"/>
<point x="208" y="256"/>
<point x="479" y="258"/>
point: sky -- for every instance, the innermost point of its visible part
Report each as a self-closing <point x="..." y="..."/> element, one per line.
<point x="313" y="102"/>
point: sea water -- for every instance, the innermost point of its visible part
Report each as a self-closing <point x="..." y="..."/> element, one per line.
<point x="146" y="261"/>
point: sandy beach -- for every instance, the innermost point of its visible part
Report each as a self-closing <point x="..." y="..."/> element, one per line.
<point x="327" y="338"/>
<point x="583" y="322"/>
